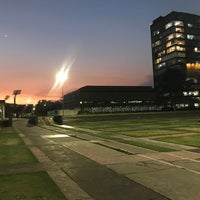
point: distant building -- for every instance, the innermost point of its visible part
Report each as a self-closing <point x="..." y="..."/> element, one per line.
<point x="105" y="99"/>
<point x="2" y="109"/>
<point x="175" y="40"/>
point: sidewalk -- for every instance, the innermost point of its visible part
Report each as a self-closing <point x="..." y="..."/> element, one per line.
<point x="77" y="176"/>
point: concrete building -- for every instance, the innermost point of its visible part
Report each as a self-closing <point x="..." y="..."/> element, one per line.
<point x="105" y="99"/>
<point x="175" y="40"/>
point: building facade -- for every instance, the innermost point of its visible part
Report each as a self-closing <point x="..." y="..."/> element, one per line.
<point x="175" y="40"/>
<point x="109" y="99"/>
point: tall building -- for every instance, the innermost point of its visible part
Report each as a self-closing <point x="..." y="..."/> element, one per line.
<point x="175" y="40"/>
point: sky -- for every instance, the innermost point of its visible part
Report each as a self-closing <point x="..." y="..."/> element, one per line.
<point x="100" y="42"/>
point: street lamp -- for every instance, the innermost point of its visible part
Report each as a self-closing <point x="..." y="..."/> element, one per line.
<point x="15" y="93"/>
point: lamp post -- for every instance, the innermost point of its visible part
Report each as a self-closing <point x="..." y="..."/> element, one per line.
<point x="15" y="93"/>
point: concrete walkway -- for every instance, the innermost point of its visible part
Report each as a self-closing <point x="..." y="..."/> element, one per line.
<point x="84" y="169"/>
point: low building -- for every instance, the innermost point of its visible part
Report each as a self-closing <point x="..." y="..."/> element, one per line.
<point x="107" y="99"/>
<point x="2" y="109"/>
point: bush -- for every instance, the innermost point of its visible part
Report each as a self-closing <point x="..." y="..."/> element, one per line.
<point x="6" y="123"/>
<point x="58" y="119"/>
<point x="33" y="120"/>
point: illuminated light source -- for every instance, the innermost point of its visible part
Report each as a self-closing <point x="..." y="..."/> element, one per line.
<point x="28" y="101"/>
<point x="62" y="75"/>
<point x="193" y="65"/>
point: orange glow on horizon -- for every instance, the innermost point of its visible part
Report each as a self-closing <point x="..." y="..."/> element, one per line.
<point x="23" y="99"/>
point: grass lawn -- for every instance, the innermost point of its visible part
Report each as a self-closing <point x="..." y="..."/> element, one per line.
<point x="144" y="125"/>
<point x="30" y="186"/>
<point x="135" y="143"/>
<point x="12" y="148"/>
<point x="185" y="140"/>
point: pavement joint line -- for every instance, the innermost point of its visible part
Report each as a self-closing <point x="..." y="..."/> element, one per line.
<point x="55" y="173"/>
<point x="170" y="164"/>
<point x="112" y="147"/>
<point x="142" y="139"/>
<point x="184" y="158"/>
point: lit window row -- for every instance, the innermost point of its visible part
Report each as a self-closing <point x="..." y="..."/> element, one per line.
<point x="193" y="65"/>
<point x="175" y="35"/>
<point x="175" y="54"/>
<point x="175" y="48"/>
<point x="174" y="23"/>
<point x="191" y="93"/>
<point x="179" y="42"/>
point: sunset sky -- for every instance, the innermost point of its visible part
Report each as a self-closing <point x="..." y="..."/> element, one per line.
<point x="106" y="42"/>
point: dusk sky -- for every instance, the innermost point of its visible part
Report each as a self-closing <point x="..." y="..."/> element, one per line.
<point x="106" y="42"/>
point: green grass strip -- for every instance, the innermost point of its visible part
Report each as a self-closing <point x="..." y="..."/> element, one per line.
<point x="190" y="140"/>
<point x="35" y="186"/>
<point x="12" y="148"/>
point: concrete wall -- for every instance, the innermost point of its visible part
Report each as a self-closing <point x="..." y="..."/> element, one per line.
<point x="65" y="112"/>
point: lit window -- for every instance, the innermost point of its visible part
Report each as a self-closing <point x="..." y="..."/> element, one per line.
<point x="179" y="29"/>
<point x="190" y="37"/>
<point x="156" y="32"/>
<point x="170" y="37"/>
<point x="196" y="105"/>
<point x="197" y="49"/>
<point x="179" y="42"/>
<point x="171" y="49"/>
<point x="179" y="48"/>
<point x="161" y="65"/>
<point x="179" y="35"/>
<point x="161" y="53"/>
<point x="157" y="43"/>
<point x="193" y="65"/>
<point x="169" y="44"/>
<point x="190" y="25"/>
<point x="168" y="25"/>
<point x="157" y="60"/>
<point x="178" y="23"/>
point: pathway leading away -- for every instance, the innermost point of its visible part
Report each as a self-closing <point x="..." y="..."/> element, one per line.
<point x="83" y="169"/>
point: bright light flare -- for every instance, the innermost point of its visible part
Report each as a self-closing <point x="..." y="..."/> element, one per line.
<point x="62" y="76"/>
<point x="28" y="101"/>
